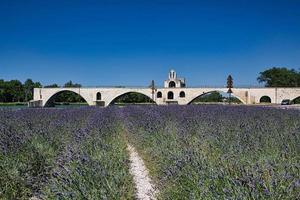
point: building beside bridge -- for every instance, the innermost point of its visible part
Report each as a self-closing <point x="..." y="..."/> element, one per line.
<point x="174" y="91"/>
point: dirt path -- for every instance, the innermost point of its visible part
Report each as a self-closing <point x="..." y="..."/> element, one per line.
<point x="144" y="187"/>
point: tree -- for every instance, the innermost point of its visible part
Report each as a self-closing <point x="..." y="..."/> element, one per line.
<point x="16" y="90"/>
<point x="229" y="86"/>
<point x="280" y="77"/>
<point x="210" y="97"/>
<point x="133" y="97"/>
<point x="229" y="82"/>
<point x="67" y="96"/>
<point x="71" y="84"/>
<point x="29" y="85"/>
<point x="52" y="86"/>
<point x="28" y="89"/>
<point x="70" y="96"/>
<point x="233" y="100"/>
<point x="152" y="87"/>
<point x="2" y="83"/>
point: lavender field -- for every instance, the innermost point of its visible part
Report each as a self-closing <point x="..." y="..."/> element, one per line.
<point x="63" y="154"/>
<point x="192" y="152"/>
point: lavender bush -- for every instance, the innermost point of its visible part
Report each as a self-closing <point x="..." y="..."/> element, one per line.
<point x="219" y="152"/>
<point x="63" y="154"/>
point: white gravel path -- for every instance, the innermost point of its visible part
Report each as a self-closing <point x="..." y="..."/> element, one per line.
<point x="144" y="187"/>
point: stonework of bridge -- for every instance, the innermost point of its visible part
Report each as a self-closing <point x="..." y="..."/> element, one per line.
<point x="173" y="92"/>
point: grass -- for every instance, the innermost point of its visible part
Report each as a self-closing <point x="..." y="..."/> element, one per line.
<point x="13" y="104"/>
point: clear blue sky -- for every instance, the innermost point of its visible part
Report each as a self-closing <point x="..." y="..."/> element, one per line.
<point x="131" y="42"/>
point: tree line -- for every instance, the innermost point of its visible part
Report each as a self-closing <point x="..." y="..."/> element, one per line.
<point x="215" y="97"/>
<point x="280" y="77"/>
<point x="16" y="91"/>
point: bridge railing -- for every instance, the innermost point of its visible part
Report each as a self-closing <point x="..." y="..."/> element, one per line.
<point x="117" y="86"/>
<point x="161" y="86"/>
<point x="224" y="86"/>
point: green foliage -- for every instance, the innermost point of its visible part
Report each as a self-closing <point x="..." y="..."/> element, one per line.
<point x="15" y="91"/>
<point x="52" y="86"/>
<point x="68" y="96"/>
<point x="11" y="91"/>
<point x="265" y="99"/>
<point x="215" y="97"/>
<point x="229" y="83"/>
<point x="280" y="77"/>
<point x="29" y="85"/>
<point x="234" y="100"/>
<point x="13" y="104"/>
<point x="133" y="97"/>
<point x="296" y="101"/>
<point x="210" y="97"/>
<point x="70" y="84"/>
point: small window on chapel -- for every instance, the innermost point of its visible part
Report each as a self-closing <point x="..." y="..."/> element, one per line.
<point x="172" y="84"/>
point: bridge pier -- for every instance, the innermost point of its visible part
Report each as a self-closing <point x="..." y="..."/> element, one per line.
<point x="35" y="103"/>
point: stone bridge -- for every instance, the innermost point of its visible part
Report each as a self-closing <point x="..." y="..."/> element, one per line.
<point x="173" y="92"/>
<point x="163" y="96"/>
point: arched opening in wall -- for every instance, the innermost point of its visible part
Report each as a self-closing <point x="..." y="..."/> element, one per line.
<point x="265" y="99"/>
<point x="159" y="95"/>
<point x="172" y="84"/>
<point x="182" y="94"/>
<point x="296" y="100"/>
<point x="66" y="98"/>
<point x="170" y="95"/>
<point x="132" y="98"/>
<point x="215" y="97"/>
<point x="98" y="96"/>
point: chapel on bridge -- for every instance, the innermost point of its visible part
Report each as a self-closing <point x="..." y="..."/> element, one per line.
<point x="173" y="81"/>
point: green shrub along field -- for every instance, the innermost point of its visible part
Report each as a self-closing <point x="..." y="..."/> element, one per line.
<point x="191" y="152"/>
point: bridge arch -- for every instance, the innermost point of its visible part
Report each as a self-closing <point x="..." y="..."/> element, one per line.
<point x="265" y="99"/>
<point x="50" y="100"/>
<point x="208" y="92"/>
<point x="296" y="100"/>
<point x="115" y="98"/>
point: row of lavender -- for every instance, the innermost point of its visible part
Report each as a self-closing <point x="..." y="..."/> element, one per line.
<point x="218" y="152"/>
<point x="63" y="154"/>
